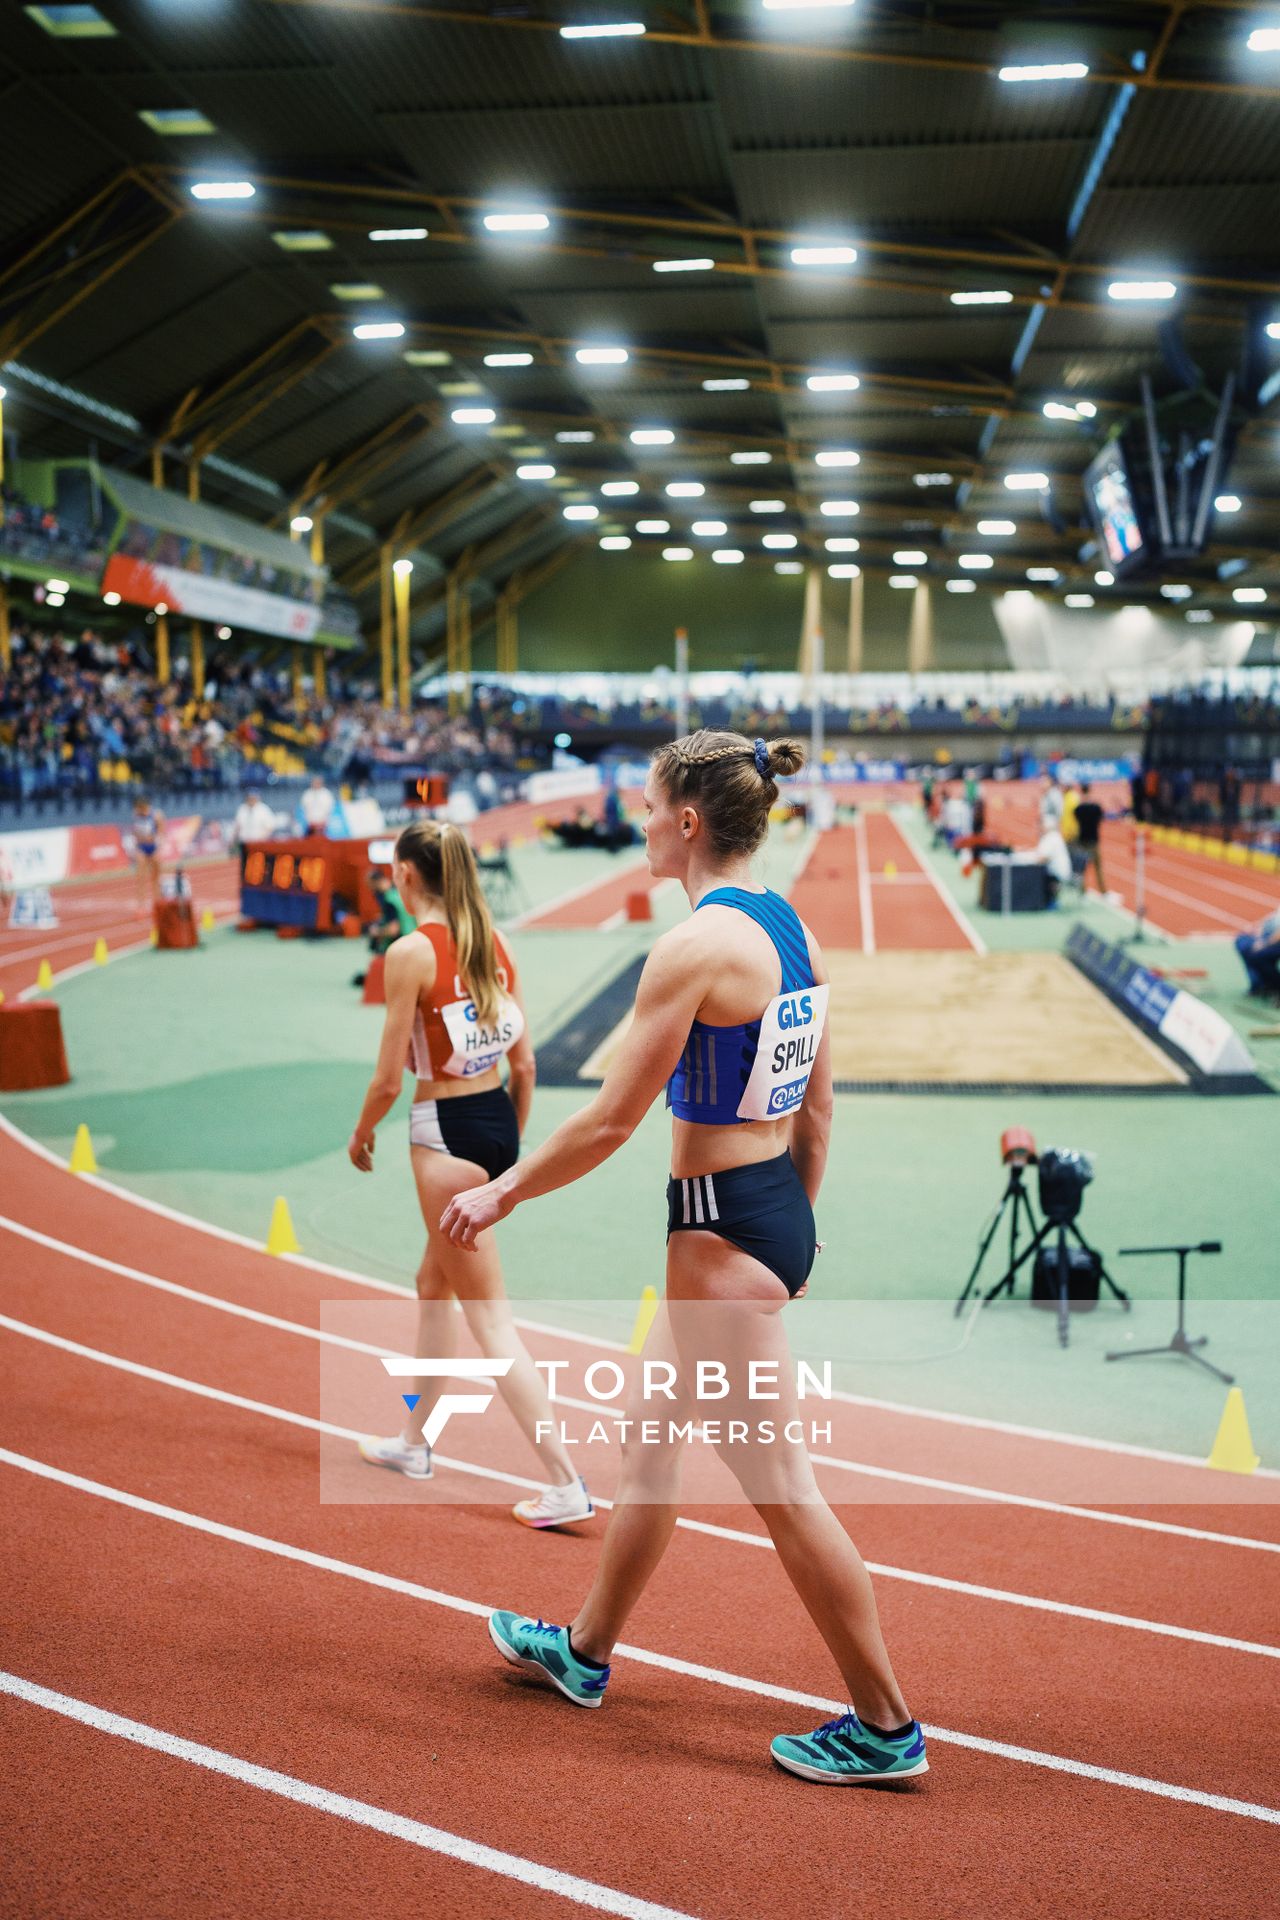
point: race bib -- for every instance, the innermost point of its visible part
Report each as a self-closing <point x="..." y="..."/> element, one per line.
<point x="477" y="1048"/>
<point x="789" y="1034"/>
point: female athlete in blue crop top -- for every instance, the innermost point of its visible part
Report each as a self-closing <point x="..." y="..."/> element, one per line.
<point x="730" y="1015"/>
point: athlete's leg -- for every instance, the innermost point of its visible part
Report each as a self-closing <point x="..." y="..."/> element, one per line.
<point x="643" y="1517"/>
<point x="475" y="1278"/>
<point x="817" y="1554"/>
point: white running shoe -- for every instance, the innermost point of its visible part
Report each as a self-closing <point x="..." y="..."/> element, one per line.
<point x="398" y="1453"/>
<point x="556" y="1506"/>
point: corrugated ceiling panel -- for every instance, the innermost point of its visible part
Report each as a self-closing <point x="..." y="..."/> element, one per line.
<point x="623" y="149"/>
<point x="1014" y="184"/>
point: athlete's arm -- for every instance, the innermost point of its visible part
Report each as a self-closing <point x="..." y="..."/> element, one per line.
<point x="410" y="971"/>
<point x="811" y="1128"/>
<point x="672" y="988"/>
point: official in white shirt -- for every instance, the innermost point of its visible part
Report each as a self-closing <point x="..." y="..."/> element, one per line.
<point x="254" y="820"/>
<point x="317" y="805"/>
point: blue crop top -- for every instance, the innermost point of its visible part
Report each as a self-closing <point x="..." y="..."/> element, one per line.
<point x="708" y="1084"/>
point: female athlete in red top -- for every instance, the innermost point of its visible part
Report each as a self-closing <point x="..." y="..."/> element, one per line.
<point x="453" y="1012"/>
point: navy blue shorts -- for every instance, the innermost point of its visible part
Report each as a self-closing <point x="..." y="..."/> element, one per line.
<point x="761" y="1208"/>
<point x="479" y="1127"/>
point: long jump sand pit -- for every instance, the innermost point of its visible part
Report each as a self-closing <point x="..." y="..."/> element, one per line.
<point x="974" y="1021"/>
<point x="981" y="1020"/>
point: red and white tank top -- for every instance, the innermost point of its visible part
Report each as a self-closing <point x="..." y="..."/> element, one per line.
<point x="448" y="1038"/>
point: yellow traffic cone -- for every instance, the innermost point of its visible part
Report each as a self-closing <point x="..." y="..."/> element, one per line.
<point x="82" y="1156"/>
<point x="890" y="869"/>
<point x="154" y="937"/>
<point x="44" y="977"/>
<point x="644" y="1320"/>
<point x="206" y="920"/>
<point x="1233" y="1448"/>
<point x="281" y="1237"/>
<point x="100" y="955"/>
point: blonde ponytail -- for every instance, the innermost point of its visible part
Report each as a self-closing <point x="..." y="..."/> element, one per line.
<point x="467" y="912"/>
<point x="443" y="858"/>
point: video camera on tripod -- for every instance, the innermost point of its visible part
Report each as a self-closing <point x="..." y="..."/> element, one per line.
<point x="1065" y="1277"/>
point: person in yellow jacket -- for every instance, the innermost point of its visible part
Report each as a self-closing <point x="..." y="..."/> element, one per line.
<point x="1070" y="801"/>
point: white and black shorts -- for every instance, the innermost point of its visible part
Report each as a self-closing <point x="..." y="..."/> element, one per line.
<point x="480" y="1127"/>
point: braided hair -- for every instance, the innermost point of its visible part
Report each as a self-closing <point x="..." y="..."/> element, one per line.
<point x="731" y="780"/>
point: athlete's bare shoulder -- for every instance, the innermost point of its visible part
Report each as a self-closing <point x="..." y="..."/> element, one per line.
<point x="412" y="957"/>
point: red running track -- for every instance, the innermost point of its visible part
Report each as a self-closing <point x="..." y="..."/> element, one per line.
<point x="102" y="909"/>
<point x="382" y="1690"/>
<point x="1186" y="895"/>
<point x="865" y="887"/>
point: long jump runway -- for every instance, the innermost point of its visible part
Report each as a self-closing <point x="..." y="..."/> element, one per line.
<point x="270" y="1704"/>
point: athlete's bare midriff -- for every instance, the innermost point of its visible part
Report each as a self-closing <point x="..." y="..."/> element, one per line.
<point x="697" y="1149"/>
<point x="453" y="1089"/>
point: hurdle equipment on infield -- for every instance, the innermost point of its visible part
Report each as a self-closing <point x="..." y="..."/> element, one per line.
<point x="281" y="1237"/>
<point x="83" y="1159"/>
<point x="1232" y="1450"/>
<point x="100" y="954"/>
<point x="44" y="977"/>
<point x="206" y="920"/>
<point x="645" y="1317"/>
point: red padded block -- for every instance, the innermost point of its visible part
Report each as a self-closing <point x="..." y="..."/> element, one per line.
<point x="31" y="1050"/>
<point x="639" y="906"/>
<point x="175" y="924"/>
<point x="375" y="985"/>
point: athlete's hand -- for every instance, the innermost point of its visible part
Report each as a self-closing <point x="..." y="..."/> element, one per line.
<point x="468" y="1214"/>
<point x="360" y="1152"/>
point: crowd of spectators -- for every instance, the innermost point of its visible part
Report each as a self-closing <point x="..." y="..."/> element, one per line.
<point x="549" y="714"/>
<point x="32" y="532"/>
<point x="81" y="715"/>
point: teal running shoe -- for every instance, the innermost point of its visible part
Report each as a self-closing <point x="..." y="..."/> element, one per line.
<point x="545" y="1649"/>
<point x="844" y="1753"/>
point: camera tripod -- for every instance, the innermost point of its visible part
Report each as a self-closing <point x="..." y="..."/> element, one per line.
<point x="1018" y="1200"/>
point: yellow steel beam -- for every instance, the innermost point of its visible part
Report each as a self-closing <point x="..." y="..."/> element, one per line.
<point x="704" y="38"/>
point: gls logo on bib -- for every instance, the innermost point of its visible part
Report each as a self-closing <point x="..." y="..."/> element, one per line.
<point x="785" y="1052"/>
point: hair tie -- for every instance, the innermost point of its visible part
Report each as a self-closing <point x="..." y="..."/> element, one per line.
<point x="762" y="759"/>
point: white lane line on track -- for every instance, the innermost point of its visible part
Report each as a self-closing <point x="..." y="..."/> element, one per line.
<point x="953" y="907"/>
<point x="669" y="1663"/>
<point x="734" y="1535"/>
<point x="865" y="911"/>
<point x="959" y="1489"/>
<point x="304" y="1793"/>
<point x="308" y="1264"/>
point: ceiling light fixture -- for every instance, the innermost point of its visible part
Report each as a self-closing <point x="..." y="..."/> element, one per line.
<point x="844" y="570"/>
<point x="223" y="190"/>
<point x="650" y="437"/>
<point x="379" y="330"/>
<point x="677" y="553"/>
<point x="728" y="556"/>
<point x="1053" y="70"/>
<point x="1080" y="600"/>
<point x="750" y="459"/>
<point x="837" y="457"/>
<point x="508" y="359"/>
<point x="839" y="509"/>
<point x="620" y="489"/>
<point x="962" y="586"/>
<point x="843" y="543"/>
<point x="780" y="542"/>
<point x="473" y="416"/>
<point x="684" y="489"/>
<point x="987" y="297"/>
<point x="536" y="470"/>
<point x="601" y="356"/>
<point x="605" y="30"/>
<point x="699" y="265"/>
<point x="997" y="529"/>
<point x="975" y="562"/>
<point x="910" y="557"/>
<point x="398" y="233"/>
<point x="653" y="526"/>
<point x="584" y="512"/>
<point x="767" y="506"/>
<point x="709" y="529"/>
<point x="615" y="542"/>
<point x="516" y="222"/>
<point x="1026" y="482"/>
<point x="823" y="256"/>
<point x="833" y="383"/>
<point x="725" y="386"/>
<point x="1142" y="290"/>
